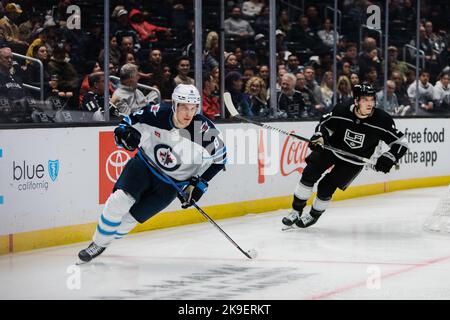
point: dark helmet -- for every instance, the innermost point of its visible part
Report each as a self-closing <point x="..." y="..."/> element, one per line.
<point x="361" y="90"/>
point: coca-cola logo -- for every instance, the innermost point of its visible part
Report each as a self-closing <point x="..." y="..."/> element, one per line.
<point x="293" y="156"/>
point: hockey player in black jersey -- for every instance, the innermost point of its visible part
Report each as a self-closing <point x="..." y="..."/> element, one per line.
<point x="357" y="129"/>
<point x="181" y="142"/>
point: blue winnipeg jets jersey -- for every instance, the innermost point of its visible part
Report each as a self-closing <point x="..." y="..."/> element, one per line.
<point x="181" y="153"/>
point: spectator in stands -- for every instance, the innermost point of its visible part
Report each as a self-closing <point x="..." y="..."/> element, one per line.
<point x="210" y="104"/>
<point x="28" y="29"/>
<point x="93" y="99"/>
<point x="282" y="51"/>
<point x="231" y="63"/>
<point x="425" y="95"/>
<point x="91" y="67"/>
<point x="326" y="35"/>
<point x="126" y="46"/>
<point x="408" y="15"/>
<point x="368" y="60"/>
<point x="114" y="51"/>
<point x="313" y="17"/>
<point x="147" y="31"/>
<point x="435" y="41"/>
<point x="368" y="45"/>
<point x="312" y="85"/>
<point x="212" y="53"/>
<point x="183" y="68"/>
<point x="151" y="70"/>
<point x="311" y="106"/>
<point x="124" y="29"/>
<point x="237" y="51"/>
<point x="290" y="101"/>
<point x="372" y="78"/>
<point x="261" y="49"/>
<point x="391" y="106"/>
<point x="128" y="98"/>
<point x="51" y="33"/>
<point x="215" y="78"/>
<point x="235" y="26"/>
<point x="431" y="58"/>
<point x="401" y="91"/>
<point x="166" y="86"/>
<point x="394" y="63"/>
<point x="281" y="72"/>
<point x="441" y="94"/>
<point x="263" y="73"/>
<point x="187" y="38"/>
<point x="344" y="68"/>
<point x="179" y="17"/>
<point x="326" y="87"/>
<point x="252" y="8"/>
<point x="303" y="34"/>
<point x="65" y="72"/>
<point x="261" y="24"/>
<point x="248" y="73"/>
<point x="11" y="90"/>
<point x="256" y="95"/>
<point x="351" y="55"/>
<point x="293" y="65"/>
<point x="344" y="91"/>
<point x="128" y="57"/>
<point x="40" y="38"/>
<point x="233" y="84"/>
<point x="354" y="79"/>
<point x="33" y="71"/>
<point x="284" y="24"/>
<point x="11" y="30"/>
<point x="249" y="60"/>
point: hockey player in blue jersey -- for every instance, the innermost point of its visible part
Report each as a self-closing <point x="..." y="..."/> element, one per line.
<point x="181" y="142"/>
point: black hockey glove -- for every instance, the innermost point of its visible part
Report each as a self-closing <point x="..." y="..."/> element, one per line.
<point x="194" y="191"/>
<point x="385" y="162"/>
<point x="127" y="137"/>
<point x="316" y="142"/>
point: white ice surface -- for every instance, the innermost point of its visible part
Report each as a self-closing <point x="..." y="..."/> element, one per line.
<point x="365" y="248"/>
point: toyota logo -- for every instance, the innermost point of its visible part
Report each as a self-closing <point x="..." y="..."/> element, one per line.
<point x="115" y="163"/>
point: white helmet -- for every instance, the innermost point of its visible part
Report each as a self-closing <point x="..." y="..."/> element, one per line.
<point x="185" y="93"/>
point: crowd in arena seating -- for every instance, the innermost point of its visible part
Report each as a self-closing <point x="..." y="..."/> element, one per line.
<point x="152" y="43"/>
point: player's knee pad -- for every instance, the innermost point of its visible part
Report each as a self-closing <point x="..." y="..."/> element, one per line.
<point x="118" y="205"/>
<point x="303" y="190"/>
<point x="320" y="205"/>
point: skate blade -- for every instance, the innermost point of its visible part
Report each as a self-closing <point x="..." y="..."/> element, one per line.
<point x="80" y="263"/>
<point x="286" y="228"/>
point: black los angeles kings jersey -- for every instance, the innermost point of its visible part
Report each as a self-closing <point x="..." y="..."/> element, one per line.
<point x="342" y="129"/>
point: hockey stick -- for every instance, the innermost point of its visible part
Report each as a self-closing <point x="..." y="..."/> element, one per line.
<point x="235" y="114"/>
<point x="251" y="254"/>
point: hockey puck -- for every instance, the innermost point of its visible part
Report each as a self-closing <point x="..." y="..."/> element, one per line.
<point x="252" y="253"/>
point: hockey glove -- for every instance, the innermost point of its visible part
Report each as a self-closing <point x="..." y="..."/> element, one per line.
<point x="127" y="137"/>
<point x="316" y="142"/>
<point x="385" y="162"/>
<point x="194" y="191"/>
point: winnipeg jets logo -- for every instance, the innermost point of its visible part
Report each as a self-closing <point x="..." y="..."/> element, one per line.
<point x="165" y="158"/>
<point x="354" y="140"/>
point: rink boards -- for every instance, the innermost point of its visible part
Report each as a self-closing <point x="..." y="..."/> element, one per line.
<point x="54" y="182"/>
